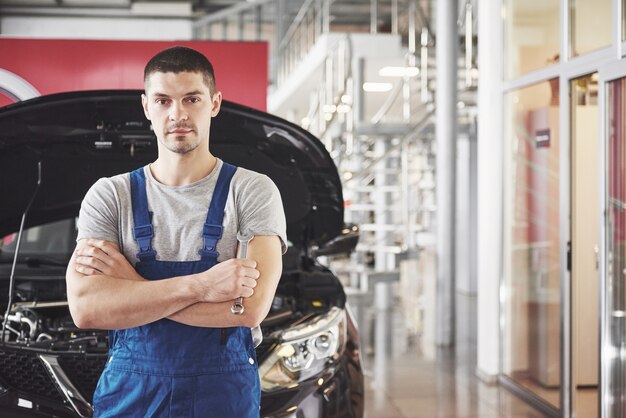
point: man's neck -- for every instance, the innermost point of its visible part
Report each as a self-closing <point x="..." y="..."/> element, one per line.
<point x="179" y="170"/>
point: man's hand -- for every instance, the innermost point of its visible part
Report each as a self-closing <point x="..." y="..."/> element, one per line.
<point x="228" y="280"/>
<point x="103" y="257"/>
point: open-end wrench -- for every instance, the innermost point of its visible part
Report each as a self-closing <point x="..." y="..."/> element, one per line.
<point x="237" y="306"/>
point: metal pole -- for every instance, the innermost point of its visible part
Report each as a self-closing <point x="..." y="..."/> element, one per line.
<point x="424" y="66"/>
<point x="446" y="117"/>
<point x="406" y="217"/>
<point x="240" y="25"/>
<point x="394" y="17"/>
<point x="373" y="16"/>
<point x="279" y="54"/>
<point x="224" y="29"/>
<point x="379" y="196"/>
<point x="412" y="27"/>
<point x="469" y="44"/>
<point x="359" y="94"/>
<point x="326" y="17"/>
<point x="410" y="62"/>
<point x="257" y="23"/>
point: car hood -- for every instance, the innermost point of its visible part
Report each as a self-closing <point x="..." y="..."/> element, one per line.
<point x="65" y="142"/>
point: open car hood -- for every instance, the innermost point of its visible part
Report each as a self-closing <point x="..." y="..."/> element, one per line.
<point x="73" y="139"/>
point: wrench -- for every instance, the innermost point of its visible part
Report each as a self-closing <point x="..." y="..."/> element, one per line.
<point x="237" y="306"/>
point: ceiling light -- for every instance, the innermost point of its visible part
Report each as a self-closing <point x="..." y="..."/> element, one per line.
<point x="377" y="87"/>
<point x="398" y="71"/>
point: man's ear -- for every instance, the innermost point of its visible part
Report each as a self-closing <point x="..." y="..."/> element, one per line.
<point x="144" y="104"/>
<point x="216" y="104"/>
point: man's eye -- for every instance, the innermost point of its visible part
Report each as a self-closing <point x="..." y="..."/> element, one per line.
<point x="161" y="101"/>
<point x="193" y="99"/>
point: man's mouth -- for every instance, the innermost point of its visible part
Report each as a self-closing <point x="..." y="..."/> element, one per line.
<point x="179" y="131"/>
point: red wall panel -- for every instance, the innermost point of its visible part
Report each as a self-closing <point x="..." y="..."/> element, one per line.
<point x="53" y="65"/>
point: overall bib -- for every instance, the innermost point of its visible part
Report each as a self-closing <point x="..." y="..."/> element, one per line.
<point x="168" y="369"/>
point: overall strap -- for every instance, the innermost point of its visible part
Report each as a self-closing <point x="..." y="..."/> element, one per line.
<point x="142" y="231"/>
<point x="212" y="230"/>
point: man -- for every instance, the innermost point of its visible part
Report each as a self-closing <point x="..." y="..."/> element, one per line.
<point x="156" y="261"/>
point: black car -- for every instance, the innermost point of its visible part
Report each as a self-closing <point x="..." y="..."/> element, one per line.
<point x="53" y="148"/>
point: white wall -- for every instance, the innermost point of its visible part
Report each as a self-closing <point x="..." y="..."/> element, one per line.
<point x="96" y="28"/>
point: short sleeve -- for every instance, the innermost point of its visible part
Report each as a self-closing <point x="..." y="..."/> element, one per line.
<point x="261" y="210"/>
<point x="99" y="213"/>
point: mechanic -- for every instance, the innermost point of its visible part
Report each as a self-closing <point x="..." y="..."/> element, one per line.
<point x="155" y="261"/>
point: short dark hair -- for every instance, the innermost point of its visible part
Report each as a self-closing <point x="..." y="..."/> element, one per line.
<point x="178" y="59"/>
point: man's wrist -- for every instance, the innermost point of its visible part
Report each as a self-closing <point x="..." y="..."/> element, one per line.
<point x="192" y="287"/>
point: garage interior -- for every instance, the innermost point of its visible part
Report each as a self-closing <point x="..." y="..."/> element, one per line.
<point x="391" y="89"/>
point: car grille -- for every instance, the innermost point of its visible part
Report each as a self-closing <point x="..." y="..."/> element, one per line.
<point x="84" y="372"/>
<point x="24" y="372"/>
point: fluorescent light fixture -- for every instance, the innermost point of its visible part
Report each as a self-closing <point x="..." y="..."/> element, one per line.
<point x="163" y="8"/>
<point x="398" y="71"/>
<point x="79" y="3"/>
<point x="377" y="87"/>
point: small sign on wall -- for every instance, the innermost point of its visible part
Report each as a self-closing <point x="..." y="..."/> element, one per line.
<point x="542" y="138"/>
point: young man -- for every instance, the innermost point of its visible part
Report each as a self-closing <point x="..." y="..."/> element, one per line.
<point x="156" y="261"/>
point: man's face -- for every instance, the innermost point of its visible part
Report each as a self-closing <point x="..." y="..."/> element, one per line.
<point x="180" y="107"/>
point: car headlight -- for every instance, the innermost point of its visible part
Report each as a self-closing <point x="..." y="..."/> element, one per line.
<point x="304" y="351"/>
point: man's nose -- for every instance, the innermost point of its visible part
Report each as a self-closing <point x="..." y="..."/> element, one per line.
<point x="177" y="112"/>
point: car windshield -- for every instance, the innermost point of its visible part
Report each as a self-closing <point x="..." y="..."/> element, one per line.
<point x="55" y="239"/>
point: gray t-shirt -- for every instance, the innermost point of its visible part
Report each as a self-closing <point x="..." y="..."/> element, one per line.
<point x="253" y="207"/>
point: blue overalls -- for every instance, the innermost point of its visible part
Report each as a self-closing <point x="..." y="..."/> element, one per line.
<point x="168" y="369"/>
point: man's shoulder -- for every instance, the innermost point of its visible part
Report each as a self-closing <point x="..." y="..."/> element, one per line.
<point x="118" y="183"/>
<point x="246" y="176"/>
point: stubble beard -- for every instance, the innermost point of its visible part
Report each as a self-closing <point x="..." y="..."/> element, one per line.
<point x="181" y="144"/>
<point x="180" y="147"/>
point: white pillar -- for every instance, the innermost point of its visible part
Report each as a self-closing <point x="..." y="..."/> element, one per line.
<point x="446" y="116"/>
<point x="490" y="174"/>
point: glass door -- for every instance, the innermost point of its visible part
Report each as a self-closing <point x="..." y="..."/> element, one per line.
<point x="585" y="234"/>
<point x="614" y="254"/>
<point x="532" y="265"/>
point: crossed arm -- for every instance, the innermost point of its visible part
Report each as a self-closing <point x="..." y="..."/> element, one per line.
<point x="104" y="290"/>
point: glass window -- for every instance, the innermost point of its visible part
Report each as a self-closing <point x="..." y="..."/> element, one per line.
<point x="531" y="35"/>
<point x="51" y="239"/>
<point x="591" y="25"/>
<point x="532" y="305"/>
<point x="616" y="246"/>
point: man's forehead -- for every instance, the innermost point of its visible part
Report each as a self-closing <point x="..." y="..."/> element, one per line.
<point x="186" y="80"/>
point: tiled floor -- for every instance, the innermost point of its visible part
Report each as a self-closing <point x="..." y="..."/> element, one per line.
<point x="403" y="381"/>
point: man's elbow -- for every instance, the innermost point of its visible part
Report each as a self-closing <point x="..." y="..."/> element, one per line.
<point x="81" y="316"/>
<point x="254" y="316"/>
<point x="78" y="304"/>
